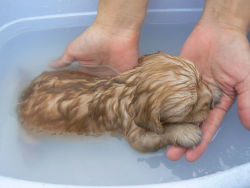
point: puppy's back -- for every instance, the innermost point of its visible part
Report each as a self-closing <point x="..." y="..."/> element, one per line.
<point x="52" y="103"/>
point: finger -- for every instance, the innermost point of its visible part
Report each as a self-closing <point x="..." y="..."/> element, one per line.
<point x="174" y="153"/>
<point x="98" y="70"/>
<point x="244" y="108"/>
<point x="209" y="128"/>
<point x="63" y="61"/>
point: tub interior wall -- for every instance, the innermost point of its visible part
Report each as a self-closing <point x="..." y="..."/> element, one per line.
<point x="105" y="160"/>
<point x="16" y="9"/>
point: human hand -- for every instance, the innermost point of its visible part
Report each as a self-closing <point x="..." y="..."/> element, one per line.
<point x="222" y="55"/>
<point x="102" y="51"/>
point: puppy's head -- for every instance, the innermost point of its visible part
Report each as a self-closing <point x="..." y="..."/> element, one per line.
<point x="170" y="90"/>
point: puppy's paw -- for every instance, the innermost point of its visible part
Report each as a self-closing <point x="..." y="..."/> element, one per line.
<point x="186" y="135"/>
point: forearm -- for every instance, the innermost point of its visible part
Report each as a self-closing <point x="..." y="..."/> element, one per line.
<point x="121" y="14"/>
<point x="234" y="14"/>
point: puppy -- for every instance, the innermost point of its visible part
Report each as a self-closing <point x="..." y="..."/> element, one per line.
<point x="161" y="101"/>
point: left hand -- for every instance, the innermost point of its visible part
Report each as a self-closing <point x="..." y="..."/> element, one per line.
<point x="99" y="48"/>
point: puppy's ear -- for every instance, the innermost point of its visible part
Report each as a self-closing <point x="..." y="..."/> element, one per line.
<point x="146" y="116"/>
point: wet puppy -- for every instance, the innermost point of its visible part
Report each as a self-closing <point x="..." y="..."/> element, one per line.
<point x="161" y="101"/>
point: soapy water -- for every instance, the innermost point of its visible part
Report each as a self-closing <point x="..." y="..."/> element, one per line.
<point x="104" y="160"/>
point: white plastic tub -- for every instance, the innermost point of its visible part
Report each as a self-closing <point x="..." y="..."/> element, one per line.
<point x="28" y="43"/>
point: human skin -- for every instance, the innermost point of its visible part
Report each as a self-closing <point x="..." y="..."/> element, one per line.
<point x="111" y="41"/>
<point x="218" y="46"/>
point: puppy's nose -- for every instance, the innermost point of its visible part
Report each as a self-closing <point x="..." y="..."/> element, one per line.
<point x="212" y="105"/>
<point x="216" y="95"/>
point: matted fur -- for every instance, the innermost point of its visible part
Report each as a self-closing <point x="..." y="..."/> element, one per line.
<point x="159" y="102"/>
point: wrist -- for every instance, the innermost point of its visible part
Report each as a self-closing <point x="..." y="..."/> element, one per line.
<point x="230" y="23"/>
<point x="228" y="14"/>
<point x="121" y="15"/>
<point x="118" y="29"/>
<point x="118" y="24"/>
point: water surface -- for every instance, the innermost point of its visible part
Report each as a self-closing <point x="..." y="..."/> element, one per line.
<point x="89" y="160"/>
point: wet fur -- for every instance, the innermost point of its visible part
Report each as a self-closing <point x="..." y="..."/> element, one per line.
<point x="159" y="102"/>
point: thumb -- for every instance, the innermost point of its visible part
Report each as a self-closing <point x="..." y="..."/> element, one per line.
<point x="62" y="61"/>
<point x="98" y="70"/>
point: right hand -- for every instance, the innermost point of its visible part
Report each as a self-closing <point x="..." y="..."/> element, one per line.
<point x="222" y="55"/>
<point x="102" y="51"/>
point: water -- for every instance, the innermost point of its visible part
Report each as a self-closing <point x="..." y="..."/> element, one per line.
<point x="105" y="160"/>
